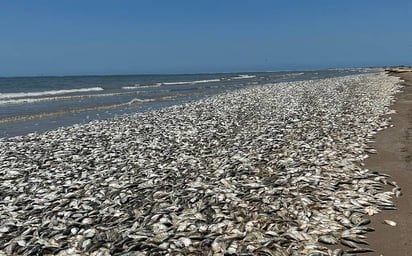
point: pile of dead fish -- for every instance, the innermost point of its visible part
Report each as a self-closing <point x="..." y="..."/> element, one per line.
<point x="266" y="170"/>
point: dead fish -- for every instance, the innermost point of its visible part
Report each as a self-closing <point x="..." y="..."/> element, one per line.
<point x="348" y="243"/>
<point x="326" y="239"/>
<point x="360" y="250"/>
<point x="390" y="223"/>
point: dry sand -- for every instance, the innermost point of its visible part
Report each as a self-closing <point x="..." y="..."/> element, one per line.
<point x="394" y="157"/>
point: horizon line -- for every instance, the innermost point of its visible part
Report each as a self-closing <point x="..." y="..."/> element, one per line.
<point x="190" y="73"/>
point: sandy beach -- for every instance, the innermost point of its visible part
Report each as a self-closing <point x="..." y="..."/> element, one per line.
<point x="266" y="170"/>
<point x="205" y="128"/>
<point x="394" y="150"/>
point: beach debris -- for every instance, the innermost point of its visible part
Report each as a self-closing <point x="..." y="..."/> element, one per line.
<point x="264" y="170"/>
<point x="391" y="111"/>
<point x="390" y="223"/>
<point x="360" y="250"/>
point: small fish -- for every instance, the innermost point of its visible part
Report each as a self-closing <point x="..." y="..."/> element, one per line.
<point x="390" y="223"/>
<point x="356" y="240"/>
<point x="338" y="252"/>
<point x="360" y="250"/>
<point x="327" y="239"/>
<point x="348" y="243"/>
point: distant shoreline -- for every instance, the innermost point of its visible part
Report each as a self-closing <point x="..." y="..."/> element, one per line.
<point x="186" y="73"/>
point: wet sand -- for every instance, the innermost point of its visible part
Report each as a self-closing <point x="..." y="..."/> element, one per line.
<point x="394" y="157"/>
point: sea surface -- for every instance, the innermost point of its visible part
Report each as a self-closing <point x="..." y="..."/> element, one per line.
<point x="36" y="104"/>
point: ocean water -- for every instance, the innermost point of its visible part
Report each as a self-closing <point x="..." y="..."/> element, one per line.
<point x="36" y="104"/>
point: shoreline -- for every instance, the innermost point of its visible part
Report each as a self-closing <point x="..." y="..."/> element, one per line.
<point x="394" y="149"/>
<point x="269" y="169"/>
<point x="38" y="108"/>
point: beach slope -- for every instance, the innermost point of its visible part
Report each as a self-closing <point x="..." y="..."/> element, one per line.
<point x="394" y="150"/>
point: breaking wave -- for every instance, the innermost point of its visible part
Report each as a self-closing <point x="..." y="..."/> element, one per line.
<point x="14" y="95"/>
<point x="193" y="82"/>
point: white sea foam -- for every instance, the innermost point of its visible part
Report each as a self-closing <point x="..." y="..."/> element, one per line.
<point x="33" y="100"/>
<point x="294" y="74"/>
<point x="243" y="77"/>
<point x="136" y="101"/>
<point x="137" y="86"/>
<point x="131" y="87"/>
<point x="192" y="82"/>
<point x="45" y="93"/>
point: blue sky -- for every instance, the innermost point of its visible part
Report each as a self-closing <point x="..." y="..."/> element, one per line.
<point x="48" y="37"/>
